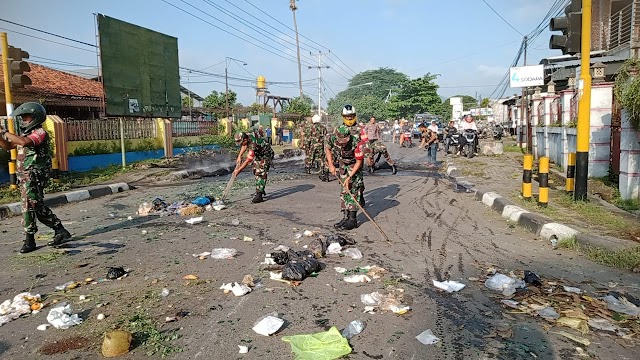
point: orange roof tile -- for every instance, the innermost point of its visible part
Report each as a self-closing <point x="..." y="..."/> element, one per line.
<point x="54" y="82"/>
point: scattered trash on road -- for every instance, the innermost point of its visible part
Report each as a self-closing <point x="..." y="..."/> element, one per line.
<point x="22" y="304"/>
<point x="357" y="279"/>
<point x="449" y="286"/>
<point x="507" y="285"/>
<point x="548" y="313"/>
<point x="223" y="253"/>
<point x="326" y="345"/>
<point x="353" y="253"/>
<point x="621" y="305"/>
<point x="165" y="292"/>
<point x="427" y="338"/>
<point x="68" y="286"/>
<point x="570" y="289"/>
<point x="574" y="323"/>
<point x="268" y="325"/>
<point x="334" y="249"/>
<point x="578" y="339"/>
<point x="236" y="289"/>
<point x="43" y="327"/>
<point x="190" y="277"/>
<point x="318" y="248"/>
<point x="62" y="317"/>
<point x="116" y="343"/>
<point x="247" y="239"/>
<point x="114" y="273"/>
<point x="308" y="233"/>
<point x="340" y="270"/>
<point x="194" y="221"/>
<point x="373" y="299"/>
<point x="235" y="222"/>
<point x="354" y="328"/>
<point x="532" y="278"/>
<point x="243" y="349"/>
<point x="201" y="201"/>
<point x="100" y="317"/>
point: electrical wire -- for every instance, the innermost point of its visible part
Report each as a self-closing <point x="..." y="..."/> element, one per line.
<point x="503" y="19"/>
<point x="47" y="40"/>
<point x="48" y="33"/>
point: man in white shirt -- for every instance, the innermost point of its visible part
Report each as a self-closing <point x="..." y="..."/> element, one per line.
<point x="468" y="124"/>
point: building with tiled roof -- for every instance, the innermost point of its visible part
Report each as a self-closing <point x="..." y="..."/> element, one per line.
<point x="63" y="94"/>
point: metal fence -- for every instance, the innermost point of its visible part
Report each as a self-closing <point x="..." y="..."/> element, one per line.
<point x="556" y="111"/>
<point x="194" y="127"/>
<point x="573" y="108"/>
<point x="109" y="129"/>
<point x="541" y="114"/>
<point x="620" y="27"/>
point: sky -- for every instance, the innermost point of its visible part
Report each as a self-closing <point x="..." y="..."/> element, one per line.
<point x="463" y="41"/>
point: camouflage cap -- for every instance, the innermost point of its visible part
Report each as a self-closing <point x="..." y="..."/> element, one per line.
<point x="239" y="136"/>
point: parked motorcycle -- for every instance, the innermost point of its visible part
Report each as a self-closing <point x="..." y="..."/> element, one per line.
<point x="468" y="149"/>
<point x="498" y="131"/>
<point x="452" y="140"/>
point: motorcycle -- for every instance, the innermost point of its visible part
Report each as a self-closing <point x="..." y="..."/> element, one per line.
<point x="468" y="149"/>
<point x="451" y="141"/>
<point x="497" y="132"/>
<point x="406" y="139"/>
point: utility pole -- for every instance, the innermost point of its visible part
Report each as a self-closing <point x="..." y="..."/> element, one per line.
<point x="319" y="67"/>
<point x="189" y="99"/>
<point x="226" y="85"/>
<point x="9" y="101"/>
<point x="293" y="7"/>
<point x="584" y="106"/>
<point x="523" y="101"/>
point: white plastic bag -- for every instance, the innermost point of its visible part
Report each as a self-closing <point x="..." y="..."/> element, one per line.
<point x="427" y="337"/>
<point x="621" y="305"/>
<point x="357" y="279"/>
<point x="268" y="325"/>
<point x="62" y="317"/>
<point x="449" y="286"/>
<point x="504" y="283"/>
<point x="373" y="299"/>
<point x="334" y="249"/>
<point x="353" y="253"/>
<point x="223" y="253"/>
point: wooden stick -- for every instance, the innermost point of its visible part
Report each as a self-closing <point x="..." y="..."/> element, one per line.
<point x="364" y="211"/>
<point x="228" y="188"/>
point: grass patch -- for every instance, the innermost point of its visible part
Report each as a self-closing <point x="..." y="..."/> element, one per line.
<point x="628" y="205"/>
<point x="623" y="259"/>
<point x="513" y="149"/>
<point x="569" y="244"/>
<point x="146" y="334"/>
<point x="40" y="258"/>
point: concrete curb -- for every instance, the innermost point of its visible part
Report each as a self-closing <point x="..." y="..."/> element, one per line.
<point x="537" y="224"/>
<point x="54" y="200"/>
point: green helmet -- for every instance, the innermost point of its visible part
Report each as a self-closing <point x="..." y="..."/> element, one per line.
<point x="343" y="135"/>
<point x="37" y="112"/>
<point x="239" y="136"/>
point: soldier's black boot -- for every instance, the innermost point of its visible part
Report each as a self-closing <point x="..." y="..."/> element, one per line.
<point x="351" y="222"/>
<point x="394" y="170"/>
<point x="29" y="244"/>
<point x="258" y="198"/>
<point x="324" y="176"/>
<point x="362" y="203"/>
<point x="60" y="236"/>
<point x="339" y="224"/>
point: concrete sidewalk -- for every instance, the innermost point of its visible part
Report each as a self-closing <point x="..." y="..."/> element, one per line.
<point x="58" y="199"/>
<point x="495" y="183"/>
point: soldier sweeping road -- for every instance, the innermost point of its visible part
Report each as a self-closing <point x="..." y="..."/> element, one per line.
<point x="260" y="155"/>
<point x="34" y="170"/>
<point x="349" y="154"/>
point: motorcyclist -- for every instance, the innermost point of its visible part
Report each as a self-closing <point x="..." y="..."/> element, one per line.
<point x="405" y="128"/>
<point x="468" y="124"/>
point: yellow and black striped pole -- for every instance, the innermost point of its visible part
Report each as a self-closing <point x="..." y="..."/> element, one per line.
<point x="584" y="107"/>
<point x="571" y="173"/>
<point x="543" y="182"/>
<point x="526" y="177"/>
<point x="13" y="180"/>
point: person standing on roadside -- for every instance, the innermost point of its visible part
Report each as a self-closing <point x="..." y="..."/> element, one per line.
<point x="305" y="141"/>
<point x="372" y="131"/>
<point x="268" y="134"/>
<point x="396" y="131"/>
<point x="317" y="137"/>
<point x="34" y="170"/>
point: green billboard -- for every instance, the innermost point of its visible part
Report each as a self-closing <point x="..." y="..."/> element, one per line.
<point x="139" y="70"/>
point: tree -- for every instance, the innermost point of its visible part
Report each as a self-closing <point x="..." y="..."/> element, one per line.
<point x="187" y="102"/>
<point x="416" y="96"/>
<point x="302" y="106"/>
<point x="218" y="100"/>
<point x="256" y="108"/>
<point x="485" y="103"/>
<point x="369" y="100"/>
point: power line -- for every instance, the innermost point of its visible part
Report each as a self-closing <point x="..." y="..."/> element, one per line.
<point x="60" y="62"/>
<point x="48" y="33"/>
<point x="503" y="19"/>
<point x="47" y="40"/>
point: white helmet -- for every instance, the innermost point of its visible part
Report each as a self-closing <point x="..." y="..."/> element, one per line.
<point x="348" y="110"/>
<point x="316" y="118"/>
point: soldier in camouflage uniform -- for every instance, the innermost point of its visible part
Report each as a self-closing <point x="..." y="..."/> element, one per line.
<point x="317" y="136"/>
<point x="260" y="155"/>
<point x="372" y="131"/>
<point x="33" y="169"/>
<point x="306" y="141"/>
<point x="349" y="155"/>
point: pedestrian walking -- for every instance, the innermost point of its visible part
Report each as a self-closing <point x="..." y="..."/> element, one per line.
<point x="349" y="156"/>
<point x="34" y="171"/>
<point x="260" y="155"/>
<point x="268" y="134"/>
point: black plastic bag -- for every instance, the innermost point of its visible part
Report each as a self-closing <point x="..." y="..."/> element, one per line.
<point x="294" y="271"/>
<point x="340" y="239"/>
<point x="299" y="255"/>
<point x="532" y="278"/>
<point x="115" y="272"/>
<point x="280" y="257"/>
<point x="311" y="265"/>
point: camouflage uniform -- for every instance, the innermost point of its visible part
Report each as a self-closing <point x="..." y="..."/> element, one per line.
<point x="261" y="154"/>
<point x="377" y="148"/>
<point x="34" y="170"/>
<point x="306" y="143"/>
<point x="317" y="134"/>
<point x="346" y="157"/>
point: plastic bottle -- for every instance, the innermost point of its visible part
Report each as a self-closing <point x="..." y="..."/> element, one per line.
<point x="354" y="328"/>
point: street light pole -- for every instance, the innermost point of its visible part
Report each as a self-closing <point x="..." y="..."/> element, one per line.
<point x="226" y="80"/>
<point x="293" y="7"/>
<point x="189" y="99"/>
<point x="319" y="67"/>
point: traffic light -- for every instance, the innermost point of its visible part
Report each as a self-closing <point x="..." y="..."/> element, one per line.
<point x="571" y="27"/>
<point x="19" y="67"/>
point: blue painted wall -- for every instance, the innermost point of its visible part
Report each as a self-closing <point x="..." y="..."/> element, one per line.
<point x="89" y="162"/>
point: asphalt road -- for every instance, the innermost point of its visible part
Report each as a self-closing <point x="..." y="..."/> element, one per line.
<point x="436" y="233"/>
